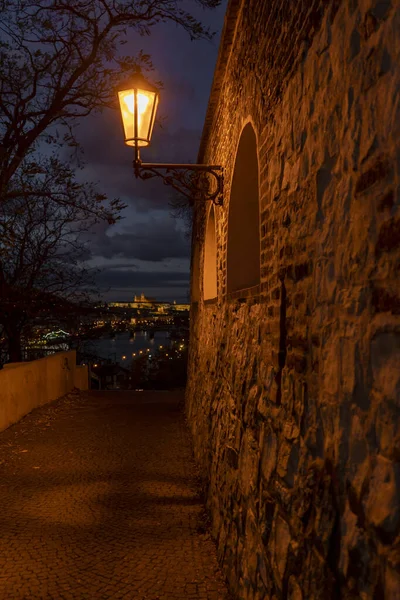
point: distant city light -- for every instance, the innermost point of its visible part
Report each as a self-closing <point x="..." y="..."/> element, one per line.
<point x="55" y="334"/>
<point x="124" y="357"/>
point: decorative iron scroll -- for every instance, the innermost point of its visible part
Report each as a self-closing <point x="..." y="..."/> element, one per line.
<point x="195" y="182"/>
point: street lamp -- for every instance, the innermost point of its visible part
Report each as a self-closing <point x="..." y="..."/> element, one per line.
<point x="138" y="101"/>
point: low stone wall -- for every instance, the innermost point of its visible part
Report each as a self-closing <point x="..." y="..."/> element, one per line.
<point x="81" y="377"/>
<point x="25" y="386"/>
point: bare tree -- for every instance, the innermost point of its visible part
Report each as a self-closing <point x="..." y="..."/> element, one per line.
<point x="61" y="60"/>
<point x="183" y="210"/>
<point x="43" y="244"/>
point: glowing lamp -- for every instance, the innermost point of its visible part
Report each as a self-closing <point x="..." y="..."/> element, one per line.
<point x="138" y="102"/>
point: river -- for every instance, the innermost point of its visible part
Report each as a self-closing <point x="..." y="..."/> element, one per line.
<point x="121" y="348"/>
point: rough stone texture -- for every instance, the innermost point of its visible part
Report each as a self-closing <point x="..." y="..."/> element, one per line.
<point x="99" y="499"/>
<point x="293" y="393"/>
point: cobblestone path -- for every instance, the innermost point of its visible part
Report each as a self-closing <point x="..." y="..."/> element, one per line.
<point x="99" y="500"/>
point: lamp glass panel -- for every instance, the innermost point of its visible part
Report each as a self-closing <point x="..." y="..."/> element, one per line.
<point x="127" y="106"/>
<point x="145" y="116"/>
<point x="145" y="103"/>
<point x="154" y="117"/>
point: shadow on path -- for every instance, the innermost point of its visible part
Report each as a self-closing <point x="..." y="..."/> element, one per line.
<point x="99" y="499"/>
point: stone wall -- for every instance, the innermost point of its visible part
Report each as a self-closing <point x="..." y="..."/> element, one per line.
<point x="293" y="393"/>
<point x="27" y="385"/>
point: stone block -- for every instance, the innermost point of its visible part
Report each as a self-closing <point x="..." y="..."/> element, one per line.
<point x="385" y="361"/>
<point x="280" y="544"/>
<point x="269" y="455"/>
<point x="382" y="501"/>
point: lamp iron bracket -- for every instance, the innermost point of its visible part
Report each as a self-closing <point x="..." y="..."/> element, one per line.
<point x="195" y="182"/>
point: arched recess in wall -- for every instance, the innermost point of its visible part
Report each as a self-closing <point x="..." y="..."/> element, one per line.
<point x="243" y="253"/>
<point x="210" y="258"/>
<point x="195" y="279"/>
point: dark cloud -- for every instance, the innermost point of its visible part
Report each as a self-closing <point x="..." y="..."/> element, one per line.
<point x="124" y="284"/>
<point x="129" y="278"/>
<point x="154" y="240"/>
<point x="109" y="161"/>
<point x="186" y="70"/>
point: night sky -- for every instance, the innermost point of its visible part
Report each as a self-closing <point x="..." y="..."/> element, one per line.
<point x="148" y="251"/>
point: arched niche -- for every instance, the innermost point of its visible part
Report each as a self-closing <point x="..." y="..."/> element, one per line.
<point x="243" y="253"/>
<point x="210" y="258"/>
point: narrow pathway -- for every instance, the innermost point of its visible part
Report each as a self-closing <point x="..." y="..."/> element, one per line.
<point x="99" y="500"/>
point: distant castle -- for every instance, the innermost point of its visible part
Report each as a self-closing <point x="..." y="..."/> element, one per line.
<point x="143" y="301"/>
<point x="143" y="298"/>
